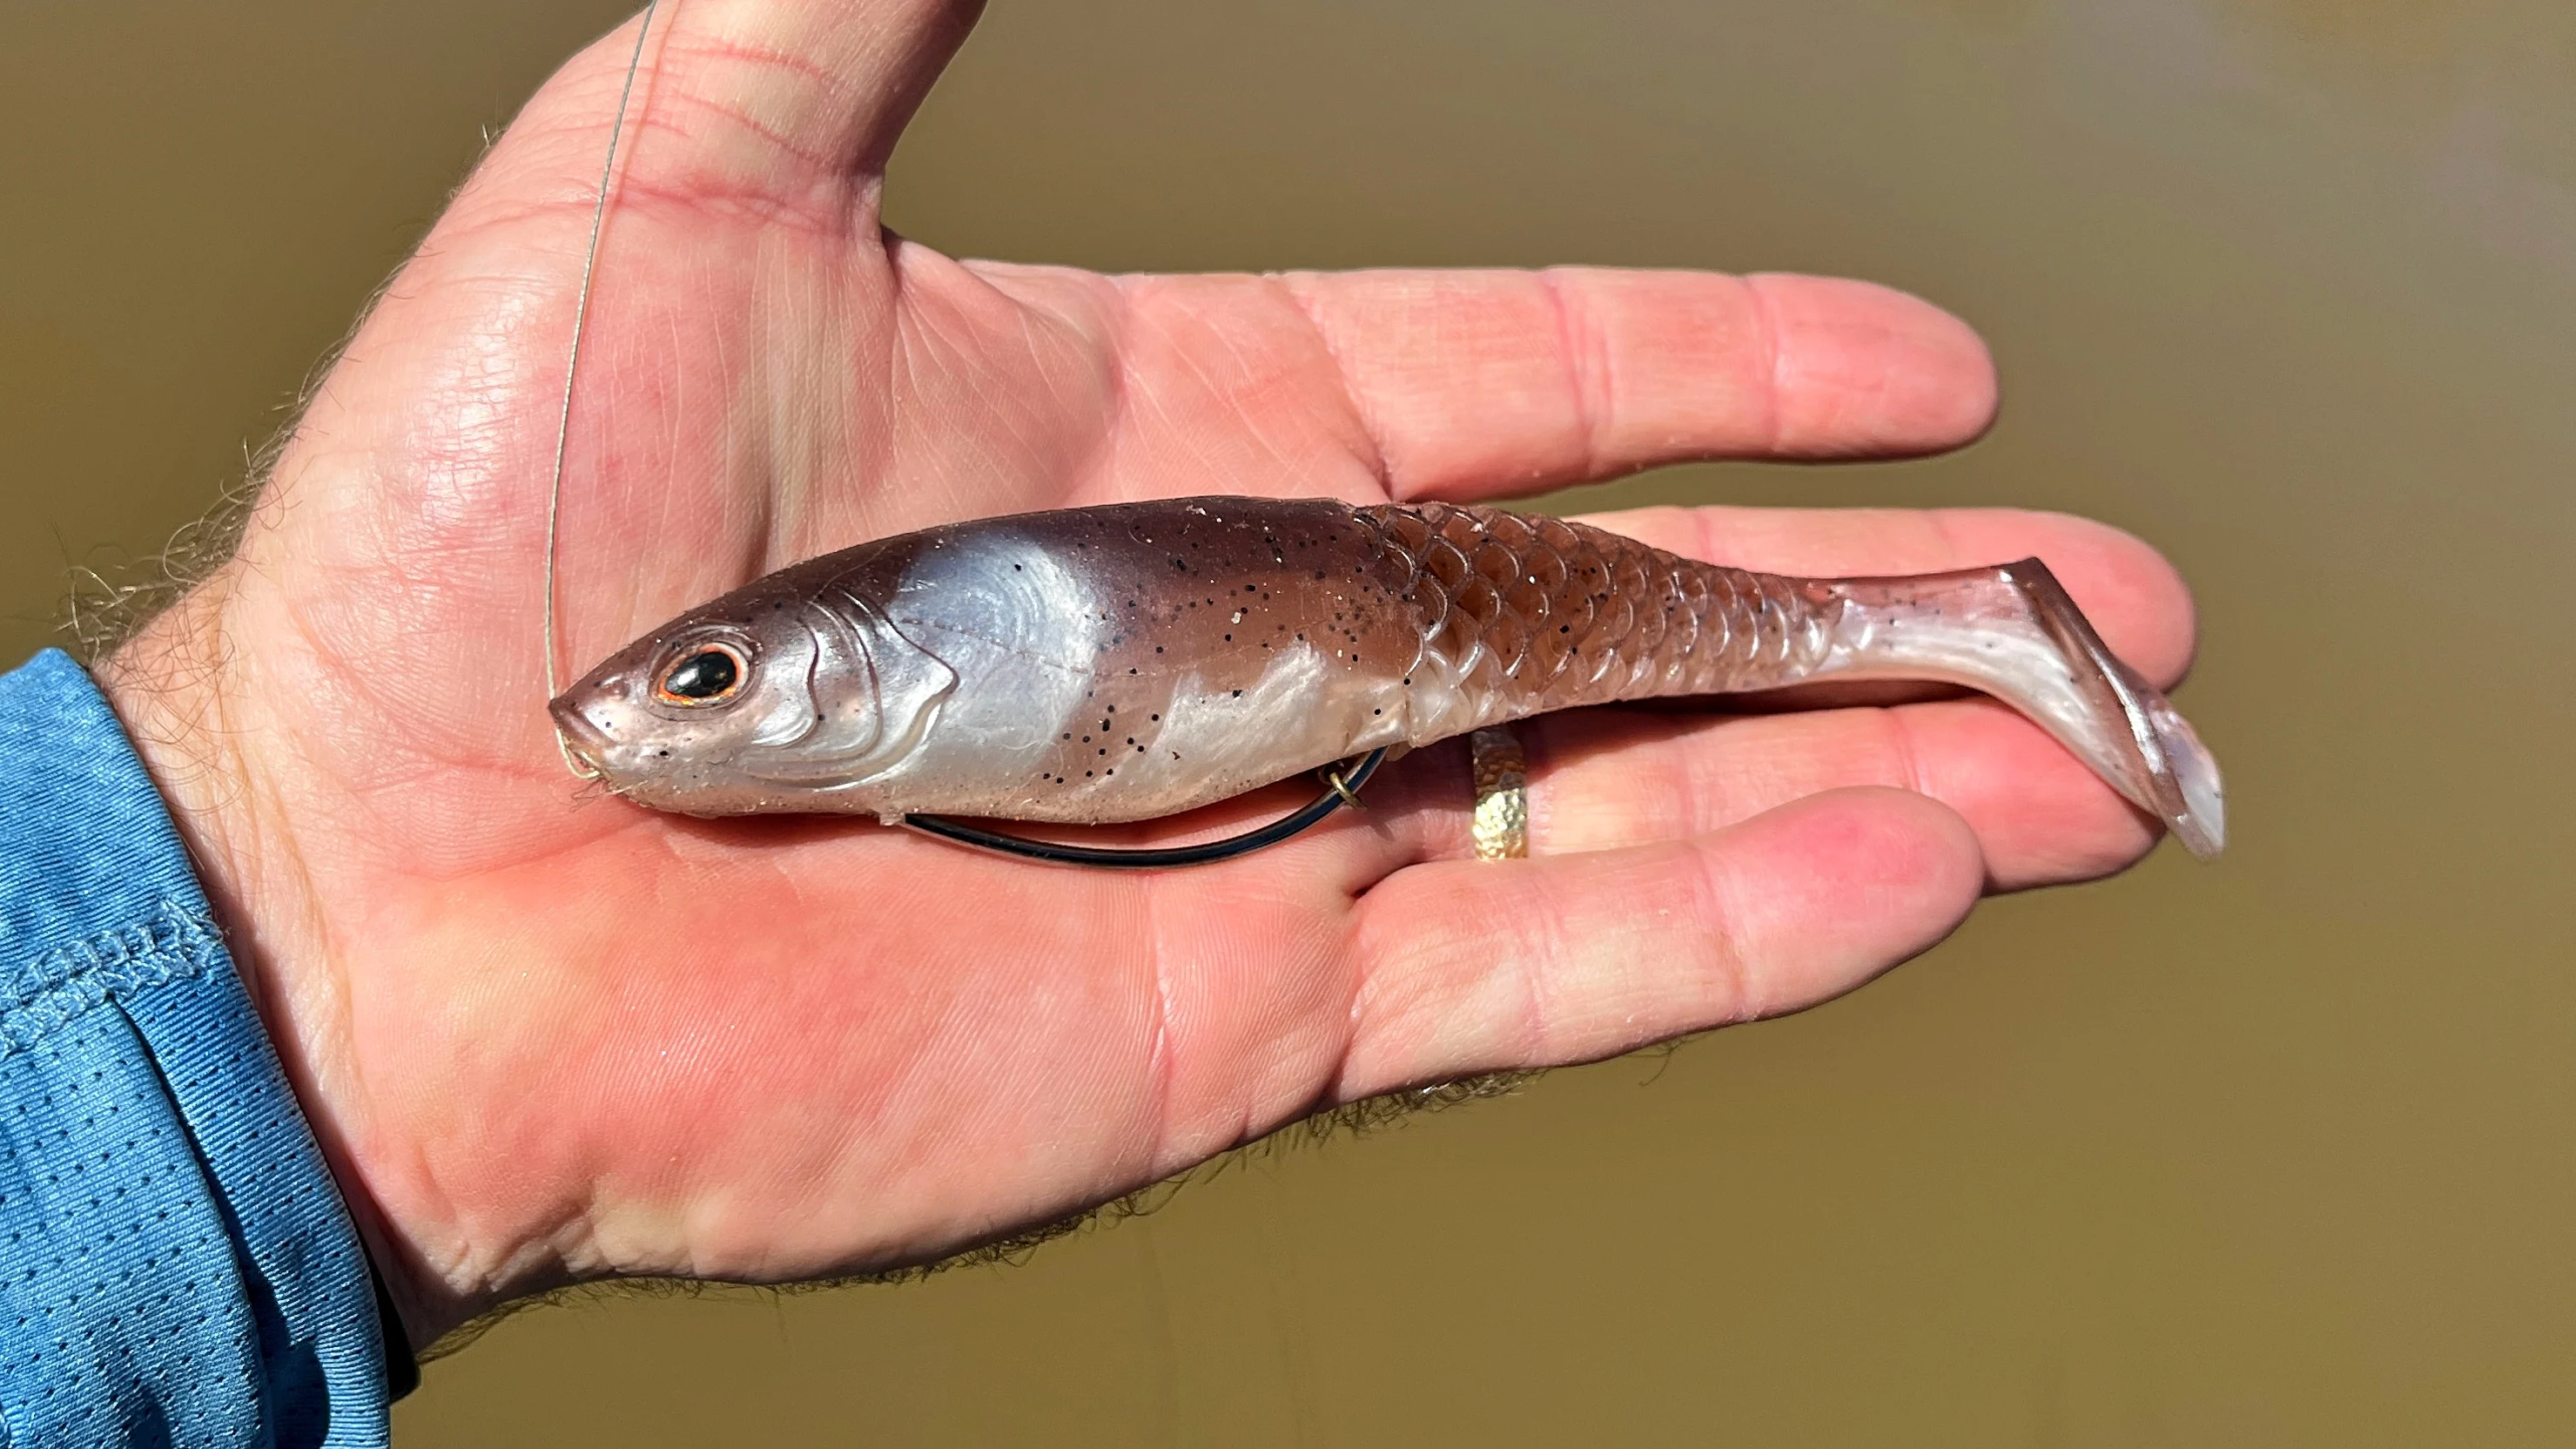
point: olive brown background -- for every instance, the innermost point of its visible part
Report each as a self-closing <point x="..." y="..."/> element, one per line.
<point x="2270" y="1152"/>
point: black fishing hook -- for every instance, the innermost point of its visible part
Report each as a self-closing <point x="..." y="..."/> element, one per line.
<point x="1342" y="785"/>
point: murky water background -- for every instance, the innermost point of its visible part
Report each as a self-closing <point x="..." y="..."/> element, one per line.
<point x="2273" y="1152"/>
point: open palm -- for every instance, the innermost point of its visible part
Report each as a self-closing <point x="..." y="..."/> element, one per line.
<point x="548" y="1036"/>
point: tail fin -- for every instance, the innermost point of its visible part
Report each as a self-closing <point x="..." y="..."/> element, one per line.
<point x="2012" y="632"/>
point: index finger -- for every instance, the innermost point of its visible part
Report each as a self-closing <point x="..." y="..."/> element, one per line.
<point x="1482" y="384"/>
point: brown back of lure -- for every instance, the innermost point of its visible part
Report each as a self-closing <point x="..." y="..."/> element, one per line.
<point x="1137" y="660"/>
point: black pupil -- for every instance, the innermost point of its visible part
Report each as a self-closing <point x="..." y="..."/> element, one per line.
<point x="703" y="675"/>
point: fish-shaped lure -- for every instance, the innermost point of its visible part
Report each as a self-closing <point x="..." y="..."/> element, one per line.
<point x="1137" y="660"/>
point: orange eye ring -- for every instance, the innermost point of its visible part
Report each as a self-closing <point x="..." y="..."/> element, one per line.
<point x="705" y="673"/>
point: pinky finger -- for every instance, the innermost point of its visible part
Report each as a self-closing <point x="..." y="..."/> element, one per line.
<point x="1477" y="966"/>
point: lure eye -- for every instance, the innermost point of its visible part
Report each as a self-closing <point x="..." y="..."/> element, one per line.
<point x="708" y="674"/>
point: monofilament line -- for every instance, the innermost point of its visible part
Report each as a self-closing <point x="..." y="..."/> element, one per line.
<point x="572" y="371"/>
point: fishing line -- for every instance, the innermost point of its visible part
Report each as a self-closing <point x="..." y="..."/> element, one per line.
<point x="572" y="371"/>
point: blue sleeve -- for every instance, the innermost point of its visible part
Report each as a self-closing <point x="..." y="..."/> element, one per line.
<point x="176" y="1267"/>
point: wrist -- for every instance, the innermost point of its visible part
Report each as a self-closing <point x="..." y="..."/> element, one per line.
<point x="168" y="687"/>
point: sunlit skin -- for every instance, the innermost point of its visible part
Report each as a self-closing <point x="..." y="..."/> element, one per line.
<point x="545" y="1035"/>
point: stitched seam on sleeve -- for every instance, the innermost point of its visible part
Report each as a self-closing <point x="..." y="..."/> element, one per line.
<point x="43" y="995"/>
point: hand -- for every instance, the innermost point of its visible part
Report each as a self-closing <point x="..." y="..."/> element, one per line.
<point x="547" y="1037"/>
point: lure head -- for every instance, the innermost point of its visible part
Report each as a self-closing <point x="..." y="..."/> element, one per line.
<point x="775" y="697"/>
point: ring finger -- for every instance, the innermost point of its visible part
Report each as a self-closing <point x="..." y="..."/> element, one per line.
<point x="1612" y="778"/>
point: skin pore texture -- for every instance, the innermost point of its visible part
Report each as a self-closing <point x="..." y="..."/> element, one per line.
<point x="547" y="1036"/>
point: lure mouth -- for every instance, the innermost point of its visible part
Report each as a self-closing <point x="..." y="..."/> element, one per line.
<point x="584" y="744"/>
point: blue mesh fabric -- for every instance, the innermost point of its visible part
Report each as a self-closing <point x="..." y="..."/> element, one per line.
<point x="176" y="1266"/>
